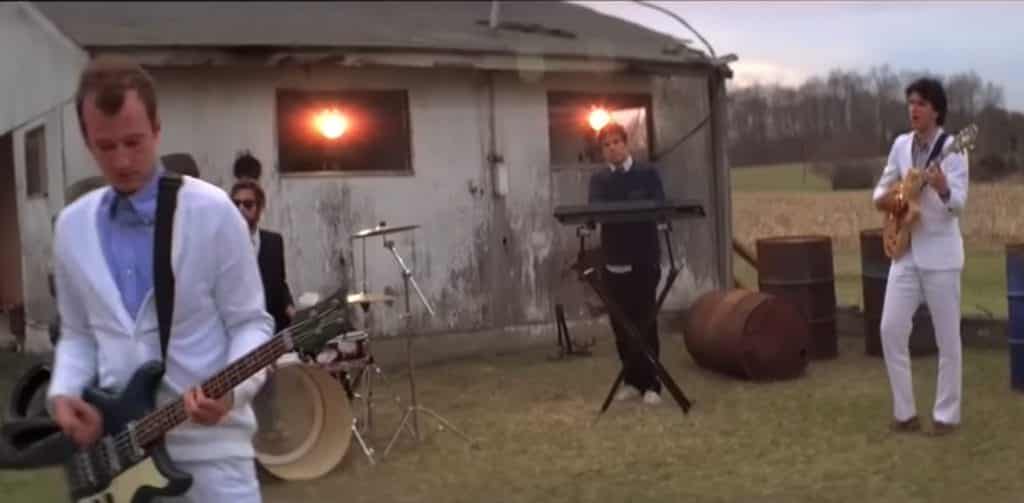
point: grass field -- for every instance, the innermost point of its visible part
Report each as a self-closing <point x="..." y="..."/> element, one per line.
<point x="782" y="177"/>
<point x="777" y="200"/>
<point x="820" y="438"/>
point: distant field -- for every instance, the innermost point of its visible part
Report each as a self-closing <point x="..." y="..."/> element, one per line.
<point x="779" y="177"/>
<point x="787" y="200"/>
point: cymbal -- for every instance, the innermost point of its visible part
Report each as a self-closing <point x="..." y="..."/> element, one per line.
<point x="369" y="298"/>
<point x="381" y="230"/>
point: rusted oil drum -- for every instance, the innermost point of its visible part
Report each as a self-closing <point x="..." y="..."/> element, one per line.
<point x="799" y="269"/>
<point x="874" y="266"/>
<point x="747" y="334"/>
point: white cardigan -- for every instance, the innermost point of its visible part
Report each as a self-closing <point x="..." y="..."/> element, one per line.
<point x="935" y="241"/>
<point x="219" y="314"/>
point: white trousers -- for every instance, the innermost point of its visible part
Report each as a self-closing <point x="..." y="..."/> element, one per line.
<point x="907" y="287"/>
<point x="224" y="480"/>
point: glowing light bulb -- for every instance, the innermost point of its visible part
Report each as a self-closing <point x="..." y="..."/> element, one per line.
<point x="331" y="124"/>
<point x="598" y="118"/>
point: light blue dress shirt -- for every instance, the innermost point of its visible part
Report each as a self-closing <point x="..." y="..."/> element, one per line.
<point x="126" y="226"/>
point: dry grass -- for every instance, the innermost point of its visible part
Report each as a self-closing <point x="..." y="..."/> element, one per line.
<point x="993" y="218"/>
<point x="994" y="215"/>
<point x="820" y="438"/>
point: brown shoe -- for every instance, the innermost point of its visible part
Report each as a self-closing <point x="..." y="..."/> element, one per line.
<point x="940" y="428"/>
<point x="910" y="425"/>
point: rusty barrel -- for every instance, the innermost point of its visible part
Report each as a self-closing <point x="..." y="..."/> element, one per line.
<point x="747" y="334"/>
<point x="799" y="270"/>
<point x="874" y="267"/>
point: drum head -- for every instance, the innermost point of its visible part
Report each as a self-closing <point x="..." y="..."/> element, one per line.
<point x="304" y="422"/>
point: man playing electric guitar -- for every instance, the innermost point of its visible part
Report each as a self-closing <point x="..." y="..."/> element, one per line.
<point x="103" y="258"/>
<point x="930" y="269"/>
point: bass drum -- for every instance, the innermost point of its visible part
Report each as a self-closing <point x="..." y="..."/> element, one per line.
<point x="304" y="422"/>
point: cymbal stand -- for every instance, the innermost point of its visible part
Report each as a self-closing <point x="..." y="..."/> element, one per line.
<point x="413" y="409"/>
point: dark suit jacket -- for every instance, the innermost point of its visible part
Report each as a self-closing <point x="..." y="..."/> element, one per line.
<point x="629" y="243"/>
<point x="275" y="284"/>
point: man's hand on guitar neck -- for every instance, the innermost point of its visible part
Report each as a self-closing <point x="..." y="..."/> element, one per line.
<point x="78" y="419"/>
<point x="207" y="411"/>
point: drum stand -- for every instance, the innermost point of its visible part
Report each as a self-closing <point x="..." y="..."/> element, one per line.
<point x="413" y="409"/>
<point x="366" y="371"/>
<point x="349" y="385"/>
<point x="368" y="451"/>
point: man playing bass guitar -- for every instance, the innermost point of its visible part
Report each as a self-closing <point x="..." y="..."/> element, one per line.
<point x="930" y="269"/>
<point x="103" y="261"/>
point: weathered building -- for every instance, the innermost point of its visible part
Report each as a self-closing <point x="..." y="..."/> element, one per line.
<point x="463" y="120"/>
<point x="38" y="68"/>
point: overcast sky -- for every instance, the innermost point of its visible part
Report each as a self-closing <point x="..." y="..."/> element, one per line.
<point x="787" y="42"/>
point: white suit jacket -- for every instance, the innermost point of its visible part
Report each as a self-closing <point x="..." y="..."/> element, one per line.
<point x="219" y="314"/>
<point x="935" y="240"/>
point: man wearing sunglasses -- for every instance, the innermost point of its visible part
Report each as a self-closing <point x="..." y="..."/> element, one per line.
<point x="250" y="199"/>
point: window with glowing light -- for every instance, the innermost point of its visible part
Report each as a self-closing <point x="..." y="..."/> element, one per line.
<point x="575" y="117"/>
<point x="350" y="131"/>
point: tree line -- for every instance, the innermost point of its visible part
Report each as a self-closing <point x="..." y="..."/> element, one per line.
<point x="851" y="115"/>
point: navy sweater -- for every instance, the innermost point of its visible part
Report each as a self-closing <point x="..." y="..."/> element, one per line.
<point x="629" y="243"/>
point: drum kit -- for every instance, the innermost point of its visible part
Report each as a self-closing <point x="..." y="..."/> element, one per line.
<point x="305" y="420"/>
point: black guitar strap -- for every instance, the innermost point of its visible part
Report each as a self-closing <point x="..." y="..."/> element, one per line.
<point x="163" y="276"/>
<point x="937" y="149"/>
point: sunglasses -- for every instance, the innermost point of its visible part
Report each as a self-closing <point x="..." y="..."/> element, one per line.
<point x="245" y="203"/>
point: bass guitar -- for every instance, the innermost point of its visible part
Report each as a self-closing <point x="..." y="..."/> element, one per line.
<point x="129" y="463"/>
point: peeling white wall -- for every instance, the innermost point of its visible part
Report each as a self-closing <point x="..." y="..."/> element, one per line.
<point x="39" y="73"/>
<point x="483" y="260"/>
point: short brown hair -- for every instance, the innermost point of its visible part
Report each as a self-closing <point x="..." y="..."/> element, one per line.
<point x="250" y="184"/>
<point x="110" y="78"/>
<point x="610" y="129"/>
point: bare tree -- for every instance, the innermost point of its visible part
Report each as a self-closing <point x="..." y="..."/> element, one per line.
<point x="848" y="115"/>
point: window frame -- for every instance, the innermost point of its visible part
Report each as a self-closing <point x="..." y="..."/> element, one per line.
<point x="561" y="97"/>
<point x="338" y="94"/>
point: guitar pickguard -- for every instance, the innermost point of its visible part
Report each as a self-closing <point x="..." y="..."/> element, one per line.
<point x="127" y="485"/>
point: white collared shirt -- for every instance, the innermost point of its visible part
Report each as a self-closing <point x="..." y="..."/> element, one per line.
<point x="921" y="148"/>
<point x="254" y="236"/>
<point x="628" y="163"/>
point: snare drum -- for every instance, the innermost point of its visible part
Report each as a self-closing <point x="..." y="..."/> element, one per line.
<point x="344" y="351"/>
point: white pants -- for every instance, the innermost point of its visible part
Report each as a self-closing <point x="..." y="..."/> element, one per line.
<point x="224" y="480"/>
<point x="907" y="287"/>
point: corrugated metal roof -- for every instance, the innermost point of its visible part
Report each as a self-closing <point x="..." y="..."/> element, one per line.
<point x="539" y="28"/>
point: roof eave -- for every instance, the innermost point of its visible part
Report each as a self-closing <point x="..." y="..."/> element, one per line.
<point x="274" y="56"/>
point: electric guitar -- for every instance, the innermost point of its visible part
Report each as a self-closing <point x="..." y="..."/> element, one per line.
<point x="898" y="223"/>
<point x="130" y="463"/>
